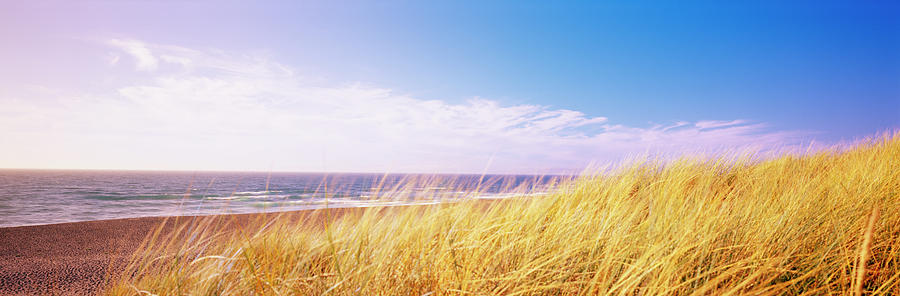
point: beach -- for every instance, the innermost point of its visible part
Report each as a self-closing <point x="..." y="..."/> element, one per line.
<point x="77" y="258"/>
<point x="274" y="148"/>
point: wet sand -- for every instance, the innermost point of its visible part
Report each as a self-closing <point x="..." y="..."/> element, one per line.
<point x="78" y="258"/>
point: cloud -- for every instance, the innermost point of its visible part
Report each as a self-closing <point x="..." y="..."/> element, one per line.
<point x="145" y="59"/>
<point x="213" y="109"/>
<point x="711" y="124"/>
<point x="113" y="59"/>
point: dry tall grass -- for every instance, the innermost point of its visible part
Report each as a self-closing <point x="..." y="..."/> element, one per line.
<point x="790" y="225"/>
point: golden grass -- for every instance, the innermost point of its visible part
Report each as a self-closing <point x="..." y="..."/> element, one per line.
<point x="794" y="225"/>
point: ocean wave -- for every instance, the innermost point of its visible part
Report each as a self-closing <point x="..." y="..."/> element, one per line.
<point x="135" y="197"/>
<point x="257" y="192"/>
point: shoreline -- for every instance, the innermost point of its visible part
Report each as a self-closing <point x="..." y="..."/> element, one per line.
<point x="77" y="258"/>
<point x="333" y="206"/>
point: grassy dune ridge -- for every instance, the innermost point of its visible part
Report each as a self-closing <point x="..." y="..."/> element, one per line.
<point x="787" y="225"/>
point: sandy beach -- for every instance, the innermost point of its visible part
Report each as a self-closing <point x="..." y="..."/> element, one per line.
<point x="77" y="258"/>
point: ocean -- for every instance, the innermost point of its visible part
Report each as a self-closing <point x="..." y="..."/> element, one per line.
<point x="34" y="197"/>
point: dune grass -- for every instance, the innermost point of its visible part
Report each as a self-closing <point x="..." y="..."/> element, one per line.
<point x="824" y="223"/>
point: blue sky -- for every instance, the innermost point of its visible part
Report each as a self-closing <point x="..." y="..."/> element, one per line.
<point x="616" y="78"/>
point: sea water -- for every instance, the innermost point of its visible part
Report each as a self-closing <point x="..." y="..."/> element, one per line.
<point x="32" y="197"/>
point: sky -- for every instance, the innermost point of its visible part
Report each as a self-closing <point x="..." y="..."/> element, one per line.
<point x="435" y="87"/>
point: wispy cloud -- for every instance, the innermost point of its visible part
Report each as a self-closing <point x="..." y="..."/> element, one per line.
<point x="146" y="61"/>
<point x="213" y="109"/>
<point x="711" y="124"/>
